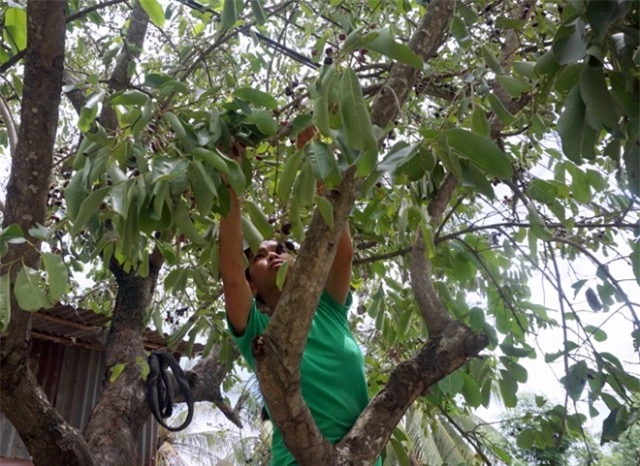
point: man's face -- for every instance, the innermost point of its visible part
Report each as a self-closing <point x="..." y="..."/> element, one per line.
<point x="264" y="264"/>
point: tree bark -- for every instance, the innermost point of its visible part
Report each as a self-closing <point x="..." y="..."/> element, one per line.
<point x="49" y="439"/>
<point x="117" y="419"/>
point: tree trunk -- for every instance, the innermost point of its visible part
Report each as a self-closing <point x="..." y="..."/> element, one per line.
<point x="117" y="419"/>
<point x="49" y="439"/>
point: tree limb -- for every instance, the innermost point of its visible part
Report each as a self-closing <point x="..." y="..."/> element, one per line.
<point x="47" y="436"/>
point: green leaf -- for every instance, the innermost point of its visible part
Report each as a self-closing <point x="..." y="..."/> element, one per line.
<point x="305" y="186"/>
<point x="281" y="275"/>
<point x="580" y="187"/>
<point x="473" y="177"/>
<point x="401" y="452"/>
<point x="88" y="209"/>
<point x="600" y="109"/>
<point x="490" y="59"/>
<point x="542" y="191"/>
<point x="236" y="177"/>
<point x="500" y="110"/>
<point x="176" y="125"/>
<point x="635" y="260"/>
<point x="255" y="96"/>
<point x="323" y="163"/>
<point x="203" y="186"/>
<point x="575" y="379"/>
<point x="354" y="114"/>
<point x="154" y="10"/>
<point x="592" y="299"/>
<point x="15" y="22"/>
<point x="324" y="84"/>
<point x="399" y="154"/>
<point x="482" y="151"/>
<point x="28" y="291"/>
<point x="263" y="119"/>
<point x="514" y="86"/>
<point x="285" y="182"/>
<point x="87" y="117"/>
<point x="511" y="350"/>
<point x="229" y="14"/>
<point x="115" y="371"/>
<point x="213" y="158"/>
<point x="11" y="233"/>
<point x="525" y="439"/>
<point x="144" y="367"/>
<point x="610" y="426"/>
<point x="508" y="389"/>
<point x="258" y="12"/>
<point x="568" y="77"/>
<point x="538" y="227"/>
<point x="382" y="41"/>
<point x="449" y="158"/>
<point x="479" y="122"/>
<point x="578" y="138"/>
<point x="547" y="64"/>
<point x="596" y="332"/>
<point x="185" y="225"/>
<point x="57" y="274"/>
<point x="568" y="45"/>
<point x="258" y="218"/>
<point x="602" y="15"/>
<point x="471" y="391"/>
<point x="251" y="234"/>
<point x="326" y="210"/>
<point x="133" y="97"/>
<point x="5" y="301"/>
<point x="452" y="383"/>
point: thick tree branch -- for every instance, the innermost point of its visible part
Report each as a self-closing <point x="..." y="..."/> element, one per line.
<point x="49" y="439"/>
<point x="116" y="421"/>
<point x="440" y="356"/>
<point x="279" y="350"/>
<point x="425" y="41"/>
<point x="205" y="379"/>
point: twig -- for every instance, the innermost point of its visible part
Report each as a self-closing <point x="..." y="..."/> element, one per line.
<point x="564" y="335"/>
<point x="613" y="281"/>
<point x="495" y="283"/>
<point x="470" y="438"/>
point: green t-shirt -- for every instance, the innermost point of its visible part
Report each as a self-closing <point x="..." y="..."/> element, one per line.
<point x="332" y="369"/>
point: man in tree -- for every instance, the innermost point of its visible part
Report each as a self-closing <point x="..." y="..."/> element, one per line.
<point x="332" y="368"/>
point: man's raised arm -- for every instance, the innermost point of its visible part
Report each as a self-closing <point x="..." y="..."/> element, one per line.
<point x="237" y="294"/>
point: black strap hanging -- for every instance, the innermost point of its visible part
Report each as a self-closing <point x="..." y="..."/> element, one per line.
<point x="159" y="390"/>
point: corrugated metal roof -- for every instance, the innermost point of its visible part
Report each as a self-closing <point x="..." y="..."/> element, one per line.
<point x="78" y="387"/>
<point x="83" y="327"/>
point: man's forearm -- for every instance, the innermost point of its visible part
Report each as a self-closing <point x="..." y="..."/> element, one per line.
<point x="230" y="238"/>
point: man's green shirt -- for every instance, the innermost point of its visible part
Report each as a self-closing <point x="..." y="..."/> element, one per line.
<point x="332" y="370"/>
